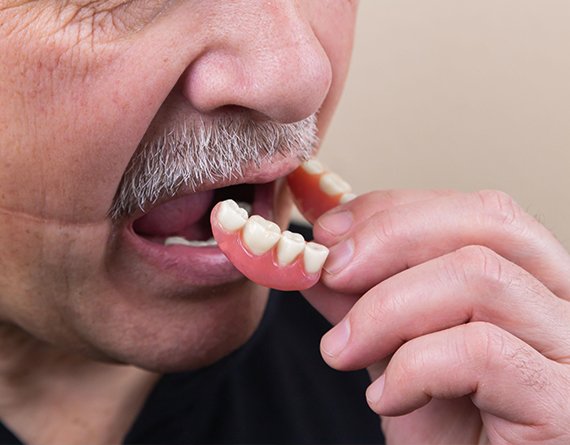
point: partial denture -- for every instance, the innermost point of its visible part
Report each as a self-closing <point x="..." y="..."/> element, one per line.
<point x="257" y="247"/>
<point x="316" y="190"/>
<point x="261" y="252"/>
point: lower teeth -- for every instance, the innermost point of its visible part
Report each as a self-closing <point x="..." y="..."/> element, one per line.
<point x="178" y="240"/>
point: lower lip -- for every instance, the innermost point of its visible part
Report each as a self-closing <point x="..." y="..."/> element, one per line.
<point x="195" y="266"/>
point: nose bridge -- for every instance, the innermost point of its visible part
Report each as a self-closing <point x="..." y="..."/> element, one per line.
<point x="262" y="55"/>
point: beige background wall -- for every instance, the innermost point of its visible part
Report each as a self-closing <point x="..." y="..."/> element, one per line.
<point x="460" y="94"/>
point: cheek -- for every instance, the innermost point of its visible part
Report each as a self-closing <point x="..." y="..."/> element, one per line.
<point x="41" y="277"/>
<point x="73" y="113"/>
<point x="68" y="143"/>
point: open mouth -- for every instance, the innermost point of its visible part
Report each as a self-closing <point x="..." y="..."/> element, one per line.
<point x="186" y="221"/>
<point x="171" y="243"/>
<point x="144" y="245"/>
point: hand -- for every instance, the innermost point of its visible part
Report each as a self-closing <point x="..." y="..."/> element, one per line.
<point x="466" y="298"/>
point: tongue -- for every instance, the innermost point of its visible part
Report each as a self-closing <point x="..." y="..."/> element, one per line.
<point x="175" y="216"/>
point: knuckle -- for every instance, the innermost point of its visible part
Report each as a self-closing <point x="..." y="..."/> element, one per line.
<point x="387" y="198"/>
<point x="500" y="207"/>
<point x="490" y="277"/>
<point x="476" y="266"/>
<point x="492" y="350"/>
<point x="384" y="228"/>
<point x="382" y="309"/>
<point x="409" y="361"/>
<point x="483" y="342"/>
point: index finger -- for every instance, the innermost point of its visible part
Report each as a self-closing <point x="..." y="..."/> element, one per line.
<point x="317" y="191"/>
<point x="334" y="224"/>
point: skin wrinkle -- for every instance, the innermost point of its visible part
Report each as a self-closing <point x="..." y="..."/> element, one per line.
<point x="99" y="21"/>
<point x="504" y="284"/>
<point x="10" y="4"/>
<point x="501" y="206"/>
<point x="518" y="281"/>
<point x="48" y="76"/>
<point x="496" y="346"/>
<point x="66" y="50"/>
<point x="125" y="17"/>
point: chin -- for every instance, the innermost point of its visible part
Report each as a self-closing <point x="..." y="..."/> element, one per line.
<point x="187" y="330"/>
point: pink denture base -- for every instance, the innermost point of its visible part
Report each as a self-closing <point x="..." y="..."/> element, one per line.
<point x="308" y="196"/>
<point x="262" y="269"/>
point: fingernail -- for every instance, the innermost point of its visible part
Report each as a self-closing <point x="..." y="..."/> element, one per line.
<point x="374" y="391"/>
<point x="336" y="339"/>
<point x="339" y="257"/>
<point x="337" y="223"/>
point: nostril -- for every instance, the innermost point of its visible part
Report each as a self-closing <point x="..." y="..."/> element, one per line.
<point x="286" y="82"/>
<point x="233" y="110"/>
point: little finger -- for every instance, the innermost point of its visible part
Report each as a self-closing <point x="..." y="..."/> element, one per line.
<point x="517" y="389"/>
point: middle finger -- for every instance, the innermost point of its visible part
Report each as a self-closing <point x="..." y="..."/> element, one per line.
<point x="471" y="284"/>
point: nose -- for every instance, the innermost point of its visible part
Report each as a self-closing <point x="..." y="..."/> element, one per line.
<point x="260" y="55"/>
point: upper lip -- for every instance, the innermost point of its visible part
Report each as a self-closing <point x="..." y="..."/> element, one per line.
<point x="267" y="171"/>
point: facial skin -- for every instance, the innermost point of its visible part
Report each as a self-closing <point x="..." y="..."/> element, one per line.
<point x="81" y="84"/>
<point x="457" y="304"/>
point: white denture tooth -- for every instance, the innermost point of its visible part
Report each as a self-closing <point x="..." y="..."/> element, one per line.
<point x="289" y="247"/>
<point x="260" y="235"/>
<point x="180" y="241"/>
<point x="314" y="257"/>
<point x="347" y="197"/>
<point x="332" y="184"/>
<point x="231" y="216"/>
<point x="246" y="206"/>
<point x="313" y="167"/>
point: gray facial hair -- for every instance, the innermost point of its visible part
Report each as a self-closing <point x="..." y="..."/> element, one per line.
<point x="199" y="152"/>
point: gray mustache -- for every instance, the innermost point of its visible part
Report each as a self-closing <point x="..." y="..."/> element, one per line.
<point x="196" y="152"/>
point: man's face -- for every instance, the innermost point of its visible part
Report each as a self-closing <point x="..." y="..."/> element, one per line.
<point x="84" y="85"/>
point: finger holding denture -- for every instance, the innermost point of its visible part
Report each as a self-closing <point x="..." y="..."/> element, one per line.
<point x="258" y="249"/>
